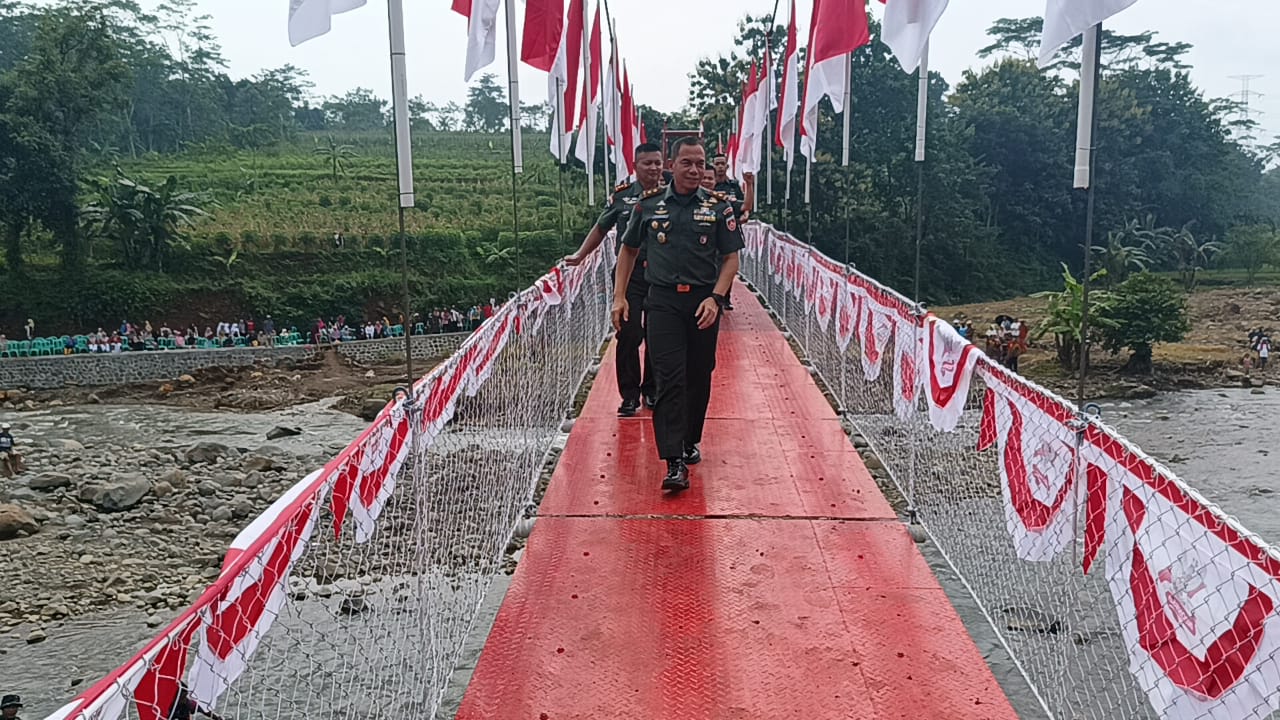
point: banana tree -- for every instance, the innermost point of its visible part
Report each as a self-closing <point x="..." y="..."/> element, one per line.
<point x="1064" y="317"/>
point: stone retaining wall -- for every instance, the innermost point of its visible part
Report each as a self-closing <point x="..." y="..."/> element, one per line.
<point x="48" y="372"/>
<point x="425" y="347"/>
<point x="55" y="371"/>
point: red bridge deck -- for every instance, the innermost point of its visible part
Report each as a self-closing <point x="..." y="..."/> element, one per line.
<point x="780" y="586"/>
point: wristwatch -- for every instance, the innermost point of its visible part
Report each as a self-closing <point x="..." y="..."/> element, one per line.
<point x="721" y="300"/>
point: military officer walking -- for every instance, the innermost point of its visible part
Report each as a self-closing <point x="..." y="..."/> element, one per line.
<point x="634" y="379"/>
<point x="692" y="239"/>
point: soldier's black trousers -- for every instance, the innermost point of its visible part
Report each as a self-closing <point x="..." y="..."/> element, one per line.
<point x="683" y="360"/>
<point x="631" y="381"/>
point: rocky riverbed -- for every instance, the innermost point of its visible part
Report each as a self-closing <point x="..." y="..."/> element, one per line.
<point x="129" y="507"/>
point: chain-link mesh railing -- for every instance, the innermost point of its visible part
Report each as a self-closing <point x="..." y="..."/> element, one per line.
<point x="1118" y="591"/>
<point x="351" y="596"/>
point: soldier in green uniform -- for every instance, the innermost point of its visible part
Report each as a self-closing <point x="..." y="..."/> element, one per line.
<point x="692" y="240"/>
<point x="726" y="184"/>
<point x="634" y="380"/>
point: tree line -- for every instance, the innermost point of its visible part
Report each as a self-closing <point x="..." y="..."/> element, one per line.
<point x="1001" y="214"/>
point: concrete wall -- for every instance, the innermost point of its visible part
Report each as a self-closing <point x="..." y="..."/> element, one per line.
<point x="425" y="347"/>
<point x="43" y="373"/>
<point x="48" y="372"/>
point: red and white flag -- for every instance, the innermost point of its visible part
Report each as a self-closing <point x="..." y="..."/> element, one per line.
<point x="1065" y="19"/>
<point x="482" y="32"/>
<point x="251" y="595"/>
<point x="587" y="127"/>
<point x="1196" y="599"/>
<point x="828" y="295"/>
<point x="562" y="83"/>
<point x="907" y="27"/>
<point x="951" y="360"/>
<point x="310" y="19"/>
<point x="848" y="314"/>
<point x="390" y="445"/>
<point x="544" y="28"/>
<point x="1039" y="480"/>
<point x="627" y="128"/>
<point x="838" y="28"/>
<point x="908" y="356"/>
<point x="875" y="334"/>
<point x="789" y="101"/>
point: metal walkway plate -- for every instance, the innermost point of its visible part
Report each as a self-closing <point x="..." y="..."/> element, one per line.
<point x="779" y="586"/>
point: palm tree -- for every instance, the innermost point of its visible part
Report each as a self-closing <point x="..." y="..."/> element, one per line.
<point x="1191" y="254"/>
<point x="336" y="156"/>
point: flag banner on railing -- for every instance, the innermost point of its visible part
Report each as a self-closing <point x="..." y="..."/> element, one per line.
<point x="876" y="333"/>
<point x="376" y="484"/>
<point x="848" y="314"/>
<point x="1196" y="600"/>
<point x="1039" y="481"/>
<point x="828" y="289"/>
<point x="908" y="352"/>
<point x="234" y="623"/>
<point x="951" y="360"/>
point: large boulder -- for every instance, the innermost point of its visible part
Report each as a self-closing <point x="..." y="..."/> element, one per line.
<point x="123" y="493"/>
<point x="49" y="481"/>
<point x="206" y="452"/>
<point x="15" y="521"/>
<point x="280" y="431"/>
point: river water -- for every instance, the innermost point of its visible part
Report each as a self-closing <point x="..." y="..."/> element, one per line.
<point x="1219" y="441"/>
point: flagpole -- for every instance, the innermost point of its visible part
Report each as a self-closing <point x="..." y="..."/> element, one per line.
<point x="404" y="165"/>
<point x="848" y="113"/>
<point x="517" y="151"/>
<point x="590" y="115"/>
<point x="557" y="127"/>
<point x="1087" y="127"/>
<point x="922" y="116"/>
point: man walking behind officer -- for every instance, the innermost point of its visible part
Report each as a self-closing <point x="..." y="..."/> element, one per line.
<point x="691" y="238"/>
<point x="634" y="380"/>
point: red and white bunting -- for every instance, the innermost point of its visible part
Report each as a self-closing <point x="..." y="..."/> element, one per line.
<point x="812" y="281"/>
<point x="875" y="333"/>
<point x="1196" y="599"/>
<point x="828" y="292"/>
<point x="951" y="360"/>
<point x="391" y="445"/>
<point x="908" y="356"/>
<point x="247" y="605"/>
<point x="848" y="313"/>
<point x="1039" y="479"/>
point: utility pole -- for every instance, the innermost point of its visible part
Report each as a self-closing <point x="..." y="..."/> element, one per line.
<point x="1244" y="110"/>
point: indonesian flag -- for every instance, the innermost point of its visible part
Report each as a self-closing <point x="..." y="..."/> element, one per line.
<point x="907" y="27"/>
<point x="1065" y="19"/>
<point x="908" y="355"/>
<point x="838" y="28"/>
<point x="1196" y="598"/>
<point x="951" y="360"/>
<point x="848" y="314"/>
<point x="875" y="334"/>
<point x="482" y="32"/>
<point x="562" y="85"/>
<point x="250" y="595"/>
<point x="627" y="128"/>
<point x="749" y="130"/>
<point x="1039" y="479"/>
<point x="789" y="102"/>
<point x="587" y="117"/>
<point x="543" y="33"/>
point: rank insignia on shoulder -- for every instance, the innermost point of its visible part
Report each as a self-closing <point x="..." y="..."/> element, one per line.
<point x="719" y="196"/>
<point x="653" y="192"/>
<point x="621" y="187"/>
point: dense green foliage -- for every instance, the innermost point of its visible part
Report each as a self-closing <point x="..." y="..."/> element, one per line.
<point x="1144" y="310"/>
<point x="137" y="177"/>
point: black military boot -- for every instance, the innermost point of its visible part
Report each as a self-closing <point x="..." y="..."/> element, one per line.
<point x="629" y="408"/>
<point x="692" y="455"/>
<point x="677" y="478"/>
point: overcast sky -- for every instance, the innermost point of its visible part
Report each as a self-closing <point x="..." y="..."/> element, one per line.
<point x="662" y="40"/>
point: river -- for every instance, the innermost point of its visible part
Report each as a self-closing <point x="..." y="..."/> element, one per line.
<point x="1220" y="441"/>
